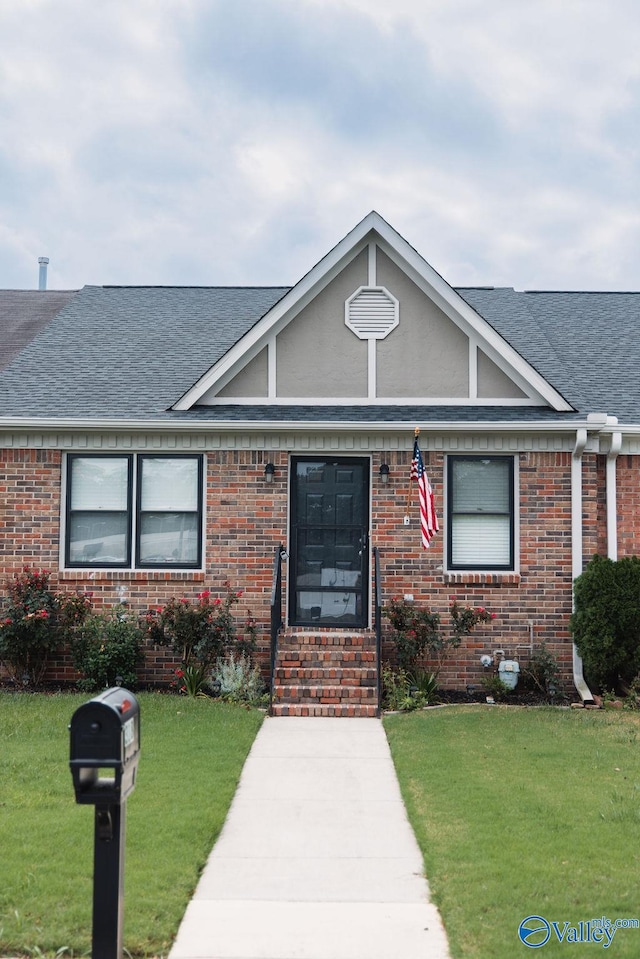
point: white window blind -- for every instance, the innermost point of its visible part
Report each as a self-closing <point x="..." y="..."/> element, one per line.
<point x="169" y="485"/>
<point x="481" y="512"/>
<point x="99" y="483"/>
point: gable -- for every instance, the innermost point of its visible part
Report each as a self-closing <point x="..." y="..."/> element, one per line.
<point x="373" y="324"/>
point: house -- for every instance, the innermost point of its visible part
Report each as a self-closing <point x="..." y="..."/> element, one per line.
<point x="156" y="439"/>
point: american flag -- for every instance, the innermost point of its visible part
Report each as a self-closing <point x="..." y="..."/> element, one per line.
<point x="428" y="519"/>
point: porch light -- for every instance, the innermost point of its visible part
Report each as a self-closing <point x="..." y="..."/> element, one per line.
<point x="384" y="474"/>
<point x="269" y="473"/>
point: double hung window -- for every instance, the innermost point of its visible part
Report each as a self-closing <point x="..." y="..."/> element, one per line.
<point x="481" y="513"/>
<point x="134" y="510"/>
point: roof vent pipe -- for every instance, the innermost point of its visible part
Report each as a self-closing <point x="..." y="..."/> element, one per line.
<point x="42" y="278"/>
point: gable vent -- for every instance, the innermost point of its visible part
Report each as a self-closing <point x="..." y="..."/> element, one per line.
<point x="371" y="312"/>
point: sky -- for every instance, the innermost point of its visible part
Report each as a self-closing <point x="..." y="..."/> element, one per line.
<point x="235" y="142"/>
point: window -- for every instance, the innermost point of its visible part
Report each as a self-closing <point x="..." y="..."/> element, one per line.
<point x="140" y="510"/>
<point x="480" y="512"/>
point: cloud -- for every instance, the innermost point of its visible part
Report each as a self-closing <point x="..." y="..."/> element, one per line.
<point x="202" y="141"/>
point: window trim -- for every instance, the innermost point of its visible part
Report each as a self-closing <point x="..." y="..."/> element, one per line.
<point x="133" y="512"/>
<point x="512" y="565"/>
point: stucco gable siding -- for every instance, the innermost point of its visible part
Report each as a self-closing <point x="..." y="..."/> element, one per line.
<point x="426" y="355"/>
<point x="316" y="354"/>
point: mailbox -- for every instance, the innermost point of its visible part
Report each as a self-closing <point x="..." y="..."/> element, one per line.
<point x="105" y="747"/>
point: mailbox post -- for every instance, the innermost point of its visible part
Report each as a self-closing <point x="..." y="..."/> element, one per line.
<point x="104" y="755"/>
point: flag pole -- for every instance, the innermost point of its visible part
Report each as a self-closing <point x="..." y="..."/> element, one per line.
<point x="416" y="434"/>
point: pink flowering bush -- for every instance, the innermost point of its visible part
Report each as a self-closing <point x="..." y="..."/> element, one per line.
<point x="199" y="631"/>
<point x="465" y="618"/>
<point x="417" y="630"/>
<point x="35" y="622"/>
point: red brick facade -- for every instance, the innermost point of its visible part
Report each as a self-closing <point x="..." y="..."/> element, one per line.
<point x="246" y="519"/>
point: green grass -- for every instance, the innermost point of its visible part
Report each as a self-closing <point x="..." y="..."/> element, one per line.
<point x="192" y="752"/>
<point x="524" y="812"/>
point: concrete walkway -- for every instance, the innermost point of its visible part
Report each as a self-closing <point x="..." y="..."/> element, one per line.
<point x="316" y="859"/>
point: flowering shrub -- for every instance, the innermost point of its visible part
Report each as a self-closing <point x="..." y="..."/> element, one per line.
<point x="415" y="629"/>
<point x="35" y="622"/>
<point x="199" y="632"/>
<point x="464" y="618"/>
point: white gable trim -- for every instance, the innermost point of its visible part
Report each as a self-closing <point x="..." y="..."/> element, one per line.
<point x="425" y="277"/>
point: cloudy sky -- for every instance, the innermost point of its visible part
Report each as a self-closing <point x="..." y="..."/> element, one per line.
<point x="236" y="141"/>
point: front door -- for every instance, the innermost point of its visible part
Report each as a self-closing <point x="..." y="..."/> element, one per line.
<point x="329" y="568"/>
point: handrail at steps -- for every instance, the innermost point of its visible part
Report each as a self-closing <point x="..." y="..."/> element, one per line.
<point x="276" y="611"/>
<point x="377" y="600"/>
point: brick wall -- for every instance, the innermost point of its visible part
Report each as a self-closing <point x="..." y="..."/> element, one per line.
<point x="628" y="482"/>
<point x="246" y="519"/>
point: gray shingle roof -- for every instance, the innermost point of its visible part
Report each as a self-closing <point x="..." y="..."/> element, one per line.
<point x="131" y="352"/>
<point x="586" y="344"/>
<point x="23" y="313"/>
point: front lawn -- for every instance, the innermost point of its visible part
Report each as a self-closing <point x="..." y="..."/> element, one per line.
<point x="192" y="753"/>
<point x="525" y="812"/>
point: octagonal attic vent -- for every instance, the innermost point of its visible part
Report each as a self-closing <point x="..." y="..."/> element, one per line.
<point x="371" y="312"/>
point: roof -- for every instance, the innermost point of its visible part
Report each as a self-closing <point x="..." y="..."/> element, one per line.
<point x="139" y="354"/>
<point x="586" y="344"/>
<point x="23" y="313"/>
<point x="129" y="352"/>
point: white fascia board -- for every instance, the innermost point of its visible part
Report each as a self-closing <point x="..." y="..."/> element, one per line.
<point x="278" y="315"/>
<point x="374" y="401"/>
<point x="20" y="424"/>
<point x="456" y="308"/>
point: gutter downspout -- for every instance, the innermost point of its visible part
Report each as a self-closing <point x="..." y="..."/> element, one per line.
<point x="576" y="548"/>
<point x="612" y="491"/>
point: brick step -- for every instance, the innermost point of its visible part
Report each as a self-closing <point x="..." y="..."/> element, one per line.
<point x="325" y="658"/>
<point x="310" y="709"/>
<point x="323" y="693"/>
<point x="318" y="676"/>
<point x="322" y="640"/>
<point x="325" y="673"/>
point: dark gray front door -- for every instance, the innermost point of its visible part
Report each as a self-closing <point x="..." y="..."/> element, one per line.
<point x="329" y="552"/>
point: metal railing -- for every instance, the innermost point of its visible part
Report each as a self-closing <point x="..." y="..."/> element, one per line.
<point x="377" y="622"/>
<point x="276" y="611"/>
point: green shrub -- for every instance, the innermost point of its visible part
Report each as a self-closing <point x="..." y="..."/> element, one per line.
<point x="239" y="680"/>
<point x="493" y="686"/>
<point x="424" y="683"/>
<point x="404" y="692"/>
<point x="606" y="621"/>
<point x="542" y="672"/>
<point x="106" y="650"/>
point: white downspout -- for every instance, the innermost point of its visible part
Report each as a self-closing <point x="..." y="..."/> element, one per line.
<point x="612" y="491"/>
<point x="576" y="548"/>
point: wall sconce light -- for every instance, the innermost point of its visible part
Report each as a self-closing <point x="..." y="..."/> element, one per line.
<point x="269" y="473"/>
<point x="384" y="474"/>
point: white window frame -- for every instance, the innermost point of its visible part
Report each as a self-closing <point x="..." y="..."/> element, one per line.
<point x="514" y="514"/>
<point x="133" y="513"/>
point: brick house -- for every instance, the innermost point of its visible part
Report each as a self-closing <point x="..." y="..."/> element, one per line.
<point x="154" y="440"/>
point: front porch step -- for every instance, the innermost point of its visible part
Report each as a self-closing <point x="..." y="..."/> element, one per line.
<point x="305" y="709"/>
<point x="325" y="673"/>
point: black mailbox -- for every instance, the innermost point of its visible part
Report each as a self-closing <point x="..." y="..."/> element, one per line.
<point x="105" y="747"/>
